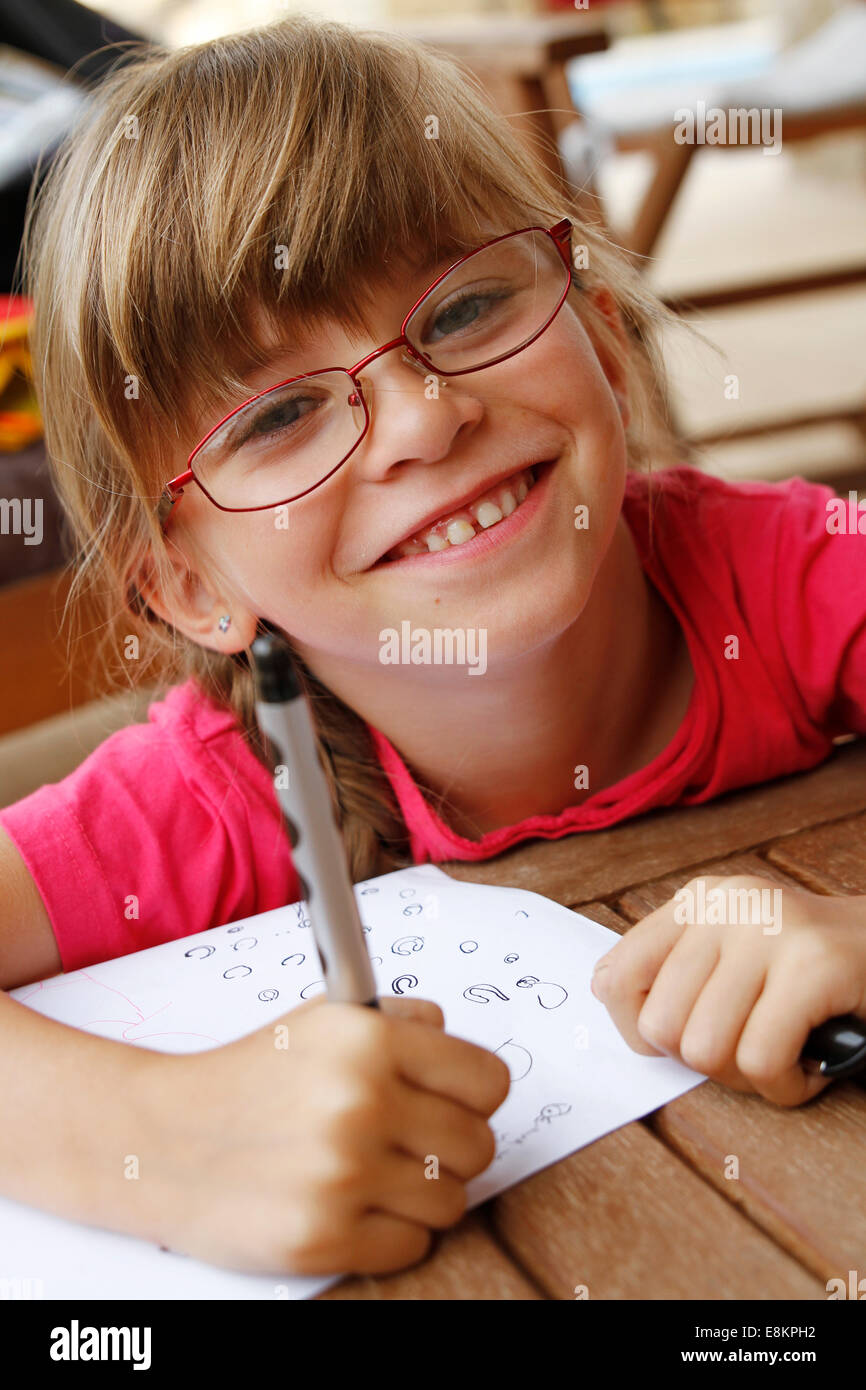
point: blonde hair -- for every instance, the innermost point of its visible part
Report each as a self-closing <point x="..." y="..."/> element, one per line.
<point x="154" y="231"/>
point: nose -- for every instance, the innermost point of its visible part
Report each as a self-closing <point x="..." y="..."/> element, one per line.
<point x="409" y="426"/>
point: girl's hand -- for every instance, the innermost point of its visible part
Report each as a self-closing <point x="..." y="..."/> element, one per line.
<point x="333" y="1141"/>
<point x="737" y="1001"/>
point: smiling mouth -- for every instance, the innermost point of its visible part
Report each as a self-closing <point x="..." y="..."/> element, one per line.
<point x="464" y="523"/>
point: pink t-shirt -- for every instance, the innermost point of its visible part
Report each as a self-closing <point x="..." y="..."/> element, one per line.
<point x="172" y="827"/>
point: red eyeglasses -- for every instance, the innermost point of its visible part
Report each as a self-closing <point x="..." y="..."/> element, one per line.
<point x="289" y="439"/>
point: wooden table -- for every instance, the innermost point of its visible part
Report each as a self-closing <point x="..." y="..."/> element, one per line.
<point x="647" y="1212"/>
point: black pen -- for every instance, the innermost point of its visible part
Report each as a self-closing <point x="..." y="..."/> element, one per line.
<point x="836" y="1048"/>
<point x="318" y="852"/>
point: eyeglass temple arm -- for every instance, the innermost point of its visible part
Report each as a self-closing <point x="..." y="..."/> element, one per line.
<point x="172" y="493"/>
<point x="561" y="234"/>
<point x="177" y="485"/>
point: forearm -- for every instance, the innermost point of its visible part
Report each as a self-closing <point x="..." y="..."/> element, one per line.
<point x="76" y="1109"/>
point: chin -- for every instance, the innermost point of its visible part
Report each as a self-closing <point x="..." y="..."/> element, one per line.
<point x="522" y="620"/>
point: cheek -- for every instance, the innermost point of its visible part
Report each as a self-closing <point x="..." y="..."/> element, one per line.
<point x="266" y="553"/>
<point x="560" y="376"/>
<point x="279" y="565"/>
<point x="567" y="384"/>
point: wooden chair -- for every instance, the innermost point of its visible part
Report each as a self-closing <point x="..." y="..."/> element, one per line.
<point x="816" y="99"/>
<point x="522" y="65"/>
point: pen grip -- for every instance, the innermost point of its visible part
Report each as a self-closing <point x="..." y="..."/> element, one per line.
<point x="318" y="852"/>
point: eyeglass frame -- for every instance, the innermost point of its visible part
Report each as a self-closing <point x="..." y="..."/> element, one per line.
<point x="560" y="233"/>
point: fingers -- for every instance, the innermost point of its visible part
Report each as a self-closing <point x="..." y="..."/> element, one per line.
<point x="422" y="1010"/>
<point x="379" y="1243"/>
<point x="623" y="977"/>
<point x="385" y="1243"/>
<point x="450" y="1067"/>
<point x="426" y="1126"/>
<point x="418" y="1191"/>
<point x="676" y="987"/>
<point x="709" y="1038"/>
<point x="643" y="948"/>
<point x="415" y="1200"/>
<point x="407" y="1036"/>
<point x="770" y="1044"/>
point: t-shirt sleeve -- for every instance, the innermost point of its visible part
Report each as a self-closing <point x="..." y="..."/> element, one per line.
<point x="147" y="841"/>
<point x="819" y="563"/>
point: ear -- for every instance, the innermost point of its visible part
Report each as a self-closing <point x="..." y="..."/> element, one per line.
<point x="614" y="368"/>
<point x="191" y="606"/>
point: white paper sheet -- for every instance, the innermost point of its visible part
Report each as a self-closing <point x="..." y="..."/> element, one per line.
<point x="511" y="971"/>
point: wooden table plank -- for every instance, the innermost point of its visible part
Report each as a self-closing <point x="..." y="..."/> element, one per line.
<point x="466" y="1263"/>
<point x="638" y="902"/>
<point x="628" y="1219"/>
<point x="598" y="864"/>
<point x="600" y="912"/>
<point x="801" y="1169"/>
<point x="828" y="859"/>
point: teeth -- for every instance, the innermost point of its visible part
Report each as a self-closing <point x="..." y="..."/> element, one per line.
<point x="460" y="531"/>
<point x="462" y="525"/>
<point x="488" y="512"/>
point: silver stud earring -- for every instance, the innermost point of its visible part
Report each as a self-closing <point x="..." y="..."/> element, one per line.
<point x="225" y="623"/>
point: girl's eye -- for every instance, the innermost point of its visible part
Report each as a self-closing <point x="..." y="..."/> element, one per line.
<point x="277" y="418"/>
<point x="467" y="310"/>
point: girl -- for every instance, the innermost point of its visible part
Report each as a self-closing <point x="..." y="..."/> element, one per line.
<point x="265" y="399"/>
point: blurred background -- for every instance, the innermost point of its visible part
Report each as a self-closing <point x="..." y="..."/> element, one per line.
<point x="759" y="241"/>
